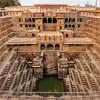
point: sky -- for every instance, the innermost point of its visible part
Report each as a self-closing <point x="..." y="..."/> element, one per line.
<point x="69" y="2"/>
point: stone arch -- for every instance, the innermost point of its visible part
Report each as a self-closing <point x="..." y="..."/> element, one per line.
<point x="19" y="20"/>
<point x="33" y="25"/>
<point x="73" y="19"/>
<point x="29" y="20"/>
<point x="69" y="26"/>
<point x="49" y="20"/>
<point x="54" y="20"/>
<point x="60" y="27"/>
<point x="33" y="35"/>
<point x="33" y="20"/>
<point x="26" y="25"/>
<point x="66" y="20"/>
<point x="78" y="25"/>
<point x="44" y="20"/>
<point x="66" y="35"/>
<point x="57" y="47"/>
<point x="39" y="27"/>
<point x="30" y="25"/>
<point x="66" y="26"/>
<point x="50" y="47"/>
<point x="70" y="19"/>
<point x="73" y="26"/>
<point x="42" y="47"/>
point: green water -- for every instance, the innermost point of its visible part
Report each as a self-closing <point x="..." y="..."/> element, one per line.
<point x="50" y="84"/>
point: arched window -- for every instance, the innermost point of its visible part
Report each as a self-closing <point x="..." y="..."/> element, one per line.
<point x="20" y="25"/>
<point x="26" y="25"/>
<point x="19" y="20"/>
<point x="57" y="47"/>
<point x="66" y="20"/>
<point x="38" y="27"/>
<point x="42" y="47"/>
<point x="73" y="26"/>
<point x="33" y="35"/>
<point x="33" y="25"/>
<point x="33" y="20"/>
<point x="54" y="20"/>
<point x="73" y="19"/>
<point x="60" y="27"/>
<point x="50" y="47"/>
<point x="81" y="19"/>
<point x="44" y="20"/>
<point x="49" y="20"/>
<point x="70" y="19"/>
<point x="78" y="25"/>
<point x="66" y="35"/>
<point x="29" y="19"/>
<point x="69" y="26"/>
<point x="29" y="25"/>
<point x="66" y="26"/>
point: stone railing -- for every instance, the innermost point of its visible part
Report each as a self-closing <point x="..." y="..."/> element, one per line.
<point x="49" y="95"/>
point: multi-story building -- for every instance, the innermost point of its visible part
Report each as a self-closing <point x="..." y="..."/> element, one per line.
<point x="50" y="40"/>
